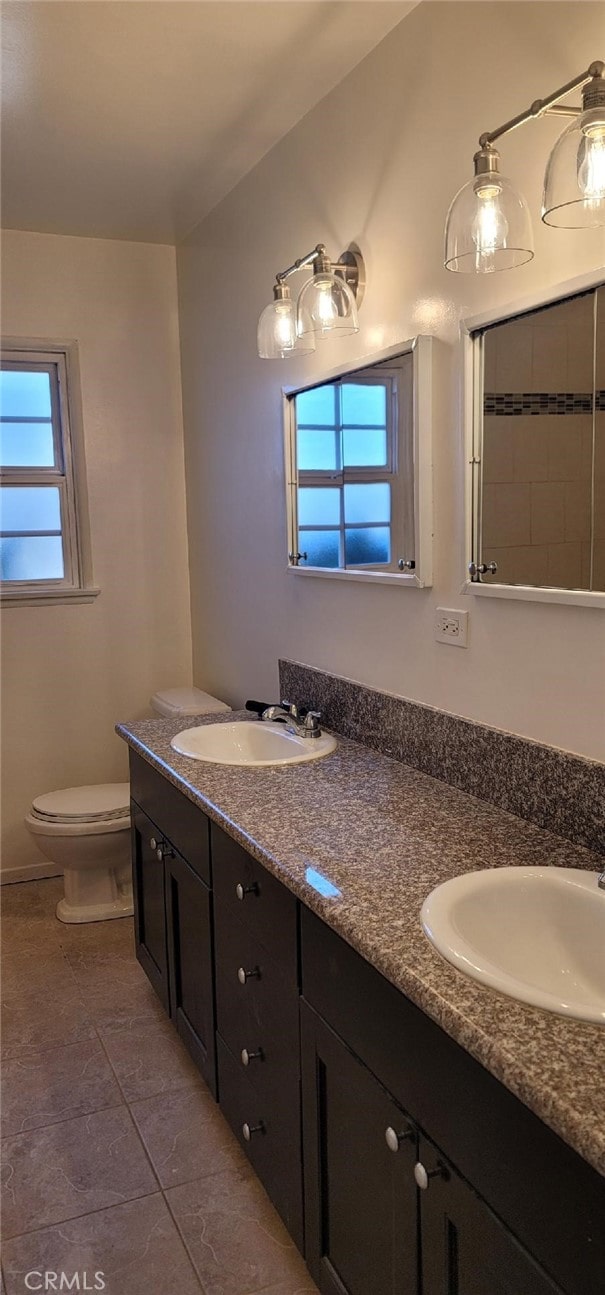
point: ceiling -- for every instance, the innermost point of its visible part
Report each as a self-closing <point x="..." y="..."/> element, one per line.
<point x="131" y="119"/>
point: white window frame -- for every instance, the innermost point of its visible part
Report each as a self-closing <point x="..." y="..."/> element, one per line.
<point x="414" y="468"/>
<point x="60" y="361"/>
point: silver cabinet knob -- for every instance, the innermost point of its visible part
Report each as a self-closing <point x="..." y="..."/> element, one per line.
<point x="406" y="564"/>
<point x="159" y="853"/>
<point x="248" y="1130"/>
<point x="394" y="1139"/>
<point x="244" y="975"/>
<point x="242" y="891"/>
<point x="247" y="1057"/>
<point x="423" y="1175"/>
<point x="153" y="843"/>
<point x="477" y="569"/>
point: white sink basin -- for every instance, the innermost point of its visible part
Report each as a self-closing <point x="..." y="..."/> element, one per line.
<point x="250" y="742"/>
<point x="537" y="934"/>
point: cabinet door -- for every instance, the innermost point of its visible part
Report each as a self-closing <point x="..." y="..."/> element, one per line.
<point x="465" y="1248"/>
<point x="360" y="1196"/>
<point x="149" y="903"/>
<point x="189" y="924"/>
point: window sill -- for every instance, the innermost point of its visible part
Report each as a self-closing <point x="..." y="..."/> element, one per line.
<point x="46" y="597"/>
<point x="398" y="580"/>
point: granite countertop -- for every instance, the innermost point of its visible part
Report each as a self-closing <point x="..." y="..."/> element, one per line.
<point x="385" y="835"/>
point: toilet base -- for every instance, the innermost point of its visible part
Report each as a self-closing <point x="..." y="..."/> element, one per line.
<point x="96" y="894"/>
<point x="121" y="907"/>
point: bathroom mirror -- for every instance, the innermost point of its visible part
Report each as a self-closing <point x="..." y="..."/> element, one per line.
<point x="536" y="382"/>
<point x="358" y="467"/>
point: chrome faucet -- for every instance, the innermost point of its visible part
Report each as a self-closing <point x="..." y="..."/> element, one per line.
<point x="306" y="725"/>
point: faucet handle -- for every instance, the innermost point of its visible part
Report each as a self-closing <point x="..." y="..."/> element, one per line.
<point x="312" y="719"/>
<point x="291" y="708"/>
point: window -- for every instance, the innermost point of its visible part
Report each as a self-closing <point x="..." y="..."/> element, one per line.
<point x="352" y="483"/>
<point x="40" y="522"/>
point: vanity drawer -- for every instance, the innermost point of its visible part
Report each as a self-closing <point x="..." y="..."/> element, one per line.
<point x="255" y="898"/>
<point x="261" y="1012"/>
<point x="274" y="1146"/>
<point x="184" y="824"/>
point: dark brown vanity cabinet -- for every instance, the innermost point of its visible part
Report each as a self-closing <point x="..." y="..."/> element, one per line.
<point x="257" y="1006"/>
<point x="495" y="1205"/>
<point x="149" y="903"/>
<point x="465" y="1248"/>
<point x="173" y="908"/>
<point x="360" y="1150"/>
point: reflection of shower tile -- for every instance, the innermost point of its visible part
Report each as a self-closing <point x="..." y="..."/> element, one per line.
<point x="497" y="451"/>
<point x="580" y="338"/>
<point x="506" y="514"/>
<point x="586" y="548"/>
<point x="549" y="357"/>
<point x="565" y="445"/>
<point x="547" y="512"/>
<point x="531" y="564"/>
<point x="577" y="510"/>
<point x="565" y="566"/>
<point x="530" y="448"/>
<point x="598" y="569"/>
<point x="513" y="358"/>
<point x="599" y="478"/>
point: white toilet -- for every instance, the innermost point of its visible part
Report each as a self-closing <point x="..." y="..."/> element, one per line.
<point x="86" y="830"/>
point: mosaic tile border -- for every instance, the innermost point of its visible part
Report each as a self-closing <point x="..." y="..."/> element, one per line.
<point x="562" y="792"/>
<point x="509" y="403"/>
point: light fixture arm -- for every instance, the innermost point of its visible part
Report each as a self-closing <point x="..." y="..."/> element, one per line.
<point x="595" y="72"/>
<point x="320" y="250"/>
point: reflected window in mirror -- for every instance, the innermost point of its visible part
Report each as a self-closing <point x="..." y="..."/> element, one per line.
<point x="352" y="471"/>
<point x="539" y="447"/>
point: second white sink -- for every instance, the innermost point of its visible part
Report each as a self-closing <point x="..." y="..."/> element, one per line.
<point x="250" y="742"/>
<point x="537" y="934"/>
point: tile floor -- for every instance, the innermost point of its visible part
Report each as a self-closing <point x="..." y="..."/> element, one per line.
<point x="115" y="1158"/>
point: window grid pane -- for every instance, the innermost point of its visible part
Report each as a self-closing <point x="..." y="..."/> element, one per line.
<point x="344" y="426"/>
<point x="35" y="548"/>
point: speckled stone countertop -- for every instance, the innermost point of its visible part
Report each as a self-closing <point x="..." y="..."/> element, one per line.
<point x="385" y="835"/>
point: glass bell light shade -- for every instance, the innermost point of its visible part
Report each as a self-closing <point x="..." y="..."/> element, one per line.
<point x="327" y="307"/>
<point x="574" y="183"/>
<point x="278" y="334"/>
<point x="488" y="226"/>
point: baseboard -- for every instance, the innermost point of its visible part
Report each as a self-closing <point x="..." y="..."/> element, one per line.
<point x="29" y="872"/>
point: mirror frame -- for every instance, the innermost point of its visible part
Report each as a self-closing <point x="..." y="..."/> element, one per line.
<point x="472" y="379"/>
<point x="421" y="349"/>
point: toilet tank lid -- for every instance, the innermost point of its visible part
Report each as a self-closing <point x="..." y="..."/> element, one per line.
<point x="186" y="701"/>
<point x="102" y="800"/>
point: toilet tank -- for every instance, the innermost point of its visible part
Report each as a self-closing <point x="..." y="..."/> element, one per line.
<point x="185" y="701"/>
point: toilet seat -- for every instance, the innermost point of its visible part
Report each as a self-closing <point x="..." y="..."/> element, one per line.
<point x="104" y="804"/>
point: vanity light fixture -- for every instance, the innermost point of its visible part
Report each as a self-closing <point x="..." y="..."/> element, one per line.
<point x="327" y="305"/>
<point x="488" y="225"/>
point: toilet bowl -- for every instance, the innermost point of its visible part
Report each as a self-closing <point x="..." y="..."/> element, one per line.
<point x="86" y="830"/>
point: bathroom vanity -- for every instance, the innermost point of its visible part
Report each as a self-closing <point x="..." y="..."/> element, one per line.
<point x="416" y="1131"/>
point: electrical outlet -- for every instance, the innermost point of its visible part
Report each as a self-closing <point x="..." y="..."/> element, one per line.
<point x="451" y="627"/>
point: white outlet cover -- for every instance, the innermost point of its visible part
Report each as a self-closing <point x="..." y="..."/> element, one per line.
<point x="451" y="626"/>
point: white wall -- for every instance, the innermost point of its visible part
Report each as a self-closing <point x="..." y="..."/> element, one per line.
<point x="70" y="672"/>
<point x="377" y="162"/>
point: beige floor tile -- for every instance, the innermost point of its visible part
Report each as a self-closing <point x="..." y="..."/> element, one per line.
<point x="115" y="988"/>
<point x="70" y="1169"/>
<point x="186" y="1136"/>
<point x="24" y="970"/>
<point x="105" y="937"/>
<point x="135" y="1246"/>
<point x="49" y="1017"/>
<point x="148" y="1059"/>
<point x="44" y="1088"/>
<point x="236" y="1240"/>
<point x="297" y="1286"/>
